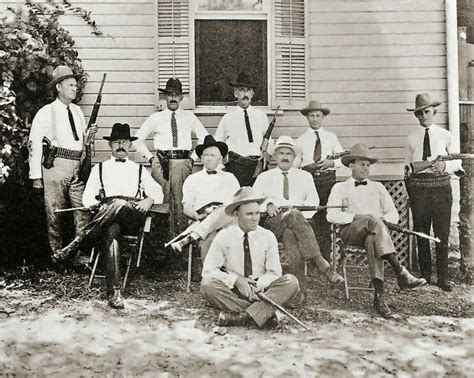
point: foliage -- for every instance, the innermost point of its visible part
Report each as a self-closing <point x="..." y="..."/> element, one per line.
<point x="32" y="43"/>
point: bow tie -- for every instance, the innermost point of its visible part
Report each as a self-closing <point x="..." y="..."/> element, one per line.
<point x="213" y="172"/>
<point x="119" y="160"/>
<point x="357" y="183"/>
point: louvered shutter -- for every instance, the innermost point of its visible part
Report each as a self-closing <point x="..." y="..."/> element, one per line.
<point x="173" y="45"/>
<point x="289" y="79"/>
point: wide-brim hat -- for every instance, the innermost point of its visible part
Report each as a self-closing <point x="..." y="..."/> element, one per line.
<point x="61" y="73"/>
<point x="423" y="101"/>
<point x="245" y="194"/>
<point x="313" y="106"/>
<point x="359" y="151"/>
<point x="286" y="141"/>
<point x="172" y="86"/>
<point x="120" y="131"/>
<point x="209" y="141"/>
<point x="243" y="81"/>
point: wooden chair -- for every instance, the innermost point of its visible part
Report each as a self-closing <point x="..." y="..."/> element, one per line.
<point x="134" y="244"/>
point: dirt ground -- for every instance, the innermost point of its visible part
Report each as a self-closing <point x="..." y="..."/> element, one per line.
<point x="51" y="325"/>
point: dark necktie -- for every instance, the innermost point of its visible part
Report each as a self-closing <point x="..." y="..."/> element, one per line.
<point x="71" y="122"/>
<point x="247" y="126"/>
<point x="213" y="172"/>
<point x="286" y="186"/>
<point x="357" y="183"/>
<point x="317" y="148"/>
<point x="174" y="129"/>
<point x="247" y="257"/>
<point x="119" y="160"/>
<point x="426" y="145"/>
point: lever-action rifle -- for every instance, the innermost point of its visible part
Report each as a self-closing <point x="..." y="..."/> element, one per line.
<point x="396" y="227"/>
<point x="419" y="166"/>
<point x="86" y="157"/>
<point x="262" y="163"/>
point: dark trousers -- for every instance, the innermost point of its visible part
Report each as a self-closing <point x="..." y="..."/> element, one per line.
<point x="321" y="227"/>
<point x="242" y="168"/>
<point x="432" y="206"/>
<point x="117" y="218"/>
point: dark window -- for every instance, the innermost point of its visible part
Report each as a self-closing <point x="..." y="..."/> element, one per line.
<point x="223" y="48"/>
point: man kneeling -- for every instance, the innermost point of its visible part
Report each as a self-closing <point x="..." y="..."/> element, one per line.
<point x="362" y="223"/>
<point x="242" y="261"/>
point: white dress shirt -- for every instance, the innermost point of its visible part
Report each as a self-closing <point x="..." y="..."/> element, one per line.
<point x="329" y="145"/>
<point x="120" y="179"/>
<point x="302" y="191"/>
<point x="159" y="124"/>
<point x="441" y="142"/>
<point x="372" y="199"/>
<point x="52" y="121"/>
<point x="232" y="130"/>
<point x="202" y="188"/>
<point x="227" y="252"/>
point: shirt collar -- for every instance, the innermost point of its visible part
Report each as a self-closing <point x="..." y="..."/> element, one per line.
<point x="242" y="109"/>
<point x="241" y="232"/>
<point x="58" y="102"/>
<point x="113" y="159"/>
<point x="352" y="180"/>
<point x="310" y="130"/>
<point x="280" y="171"/>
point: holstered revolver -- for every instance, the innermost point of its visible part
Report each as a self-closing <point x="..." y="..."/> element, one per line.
<point x="49" y="153"/>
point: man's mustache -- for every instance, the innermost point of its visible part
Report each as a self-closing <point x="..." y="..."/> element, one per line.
<point x="173" y="102"/>
<point x="285" y="161"/>
<point x="245" y="98"/>
<point x="120" y="149"/>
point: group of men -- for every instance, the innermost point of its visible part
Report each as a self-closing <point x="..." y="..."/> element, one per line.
<point x="241" y="222"/>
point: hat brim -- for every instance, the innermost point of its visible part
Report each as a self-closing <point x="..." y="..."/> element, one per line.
<point x="433" y="104"/>
<point x="284" y="145"/>
<point x="347" y="159"/>
<point x="223" y="148"/>
<point x="305" y="111"/>
<point x="230" y="208"/>
<point x="165" y="91"/>
<point x="57" y="80"/>
<point x="242" y="85"/>
<point x="131" y="139"/>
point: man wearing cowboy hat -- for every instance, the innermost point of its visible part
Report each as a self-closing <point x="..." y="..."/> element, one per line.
<point x="172" y="131"/>
<point x="368" y="205"/>
<point x="315" y="145"/>
<point x="62" y="124"/>
<point x="243" y="260"/>
<point x="286" y="185"/>
<point x="122" y="205"/>
<point x="430" y="190"/>
<point x="210" y="188"/>
<point x="243" y="129"/>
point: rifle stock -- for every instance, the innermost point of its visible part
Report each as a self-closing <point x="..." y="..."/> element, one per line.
<point x="419" y="166"/>
<point x="398" y="228"/>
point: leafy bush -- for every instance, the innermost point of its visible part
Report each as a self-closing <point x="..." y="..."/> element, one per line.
<point x="32" y="43"/>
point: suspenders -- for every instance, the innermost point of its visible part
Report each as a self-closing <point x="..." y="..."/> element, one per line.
<point x="139" y="193"/>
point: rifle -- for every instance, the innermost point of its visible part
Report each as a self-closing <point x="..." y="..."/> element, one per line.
<point x="309" y="208"/>
<point x="396" y="227"/>
<point x="271" y="302"/>
<point x="86" y="157"/>
<point x="262" y="164"/>
<point x="84" y="208"/>
<point x="338" y="155"/>
<point x="419" y="166"/>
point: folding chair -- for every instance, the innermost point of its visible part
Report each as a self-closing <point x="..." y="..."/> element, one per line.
<point x="135" y="246"/>
<point x="347" y="252"/>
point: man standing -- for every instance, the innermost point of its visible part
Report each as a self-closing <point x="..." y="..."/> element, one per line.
<point x="205" y="193"/>
<point x="172" y="129"/>
<point x="123" y="192"/>
<point x="61" y="126"/>
<point x="292" y="187"/>
<point x="430" y="190"/>
<point x="315" y="145"/>
<point x="242" y="261"/>
<point x="362" y="223"/>
<point x="243" y="129"/>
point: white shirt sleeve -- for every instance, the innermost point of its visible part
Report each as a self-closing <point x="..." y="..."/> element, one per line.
<point x="390" y="213"/>
<point x="220" y="134"/>
<point x="145" y="130"/>
<point x="337" y="148"/>
<point x="92" y="188"/>
<point x="312" y="197"/>
<point x="272" y="264"/>
<point x="39" y="128"/>
<point x="338" y="216"/>
<point x="452" y="165"/>
<point x="151" y="187"/>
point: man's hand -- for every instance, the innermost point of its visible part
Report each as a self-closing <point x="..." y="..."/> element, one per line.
<point x="272" y="210"/>
<point x="325" y="165"/>
<point x="93" y="128"/>
<point x="144" y="205"/>
<point x="246" y="287"/>
<point x="198" y="217"/>
<point x="37" y="183"/>
<point x="266" y="156"/>
<point x="438" y="167"/>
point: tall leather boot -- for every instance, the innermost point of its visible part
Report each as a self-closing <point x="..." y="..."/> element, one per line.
<point x="112" y="275"/>
<point x="379" y="300"/>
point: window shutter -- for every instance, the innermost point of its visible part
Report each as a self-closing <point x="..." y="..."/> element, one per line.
<point x="289" y="67"/>
<point x="173" y="45"/>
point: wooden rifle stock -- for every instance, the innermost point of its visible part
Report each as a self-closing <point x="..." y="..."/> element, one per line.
<point x="261" y="165"/>
<point x="419" y="166"/>
<point x="86" y="157"/>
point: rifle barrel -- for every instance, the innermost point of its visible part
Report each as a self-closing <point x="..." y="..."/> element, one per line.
<point x="71" y="209"/>
<point x="270" y="301"/>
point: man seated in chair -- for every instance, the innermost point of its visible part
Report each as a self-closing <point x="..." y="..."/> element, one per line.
<point x="243" y="260"/>
<point x="292" y="187"/>
<point x="368" y="205"/>
<point x="204" y="195"/>
<point x="122" y="192"/>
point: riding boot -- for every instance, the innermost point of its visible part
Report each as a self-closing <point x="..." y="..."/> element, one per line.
<point x="112" y="267"/>
<point x="379" y="300"/>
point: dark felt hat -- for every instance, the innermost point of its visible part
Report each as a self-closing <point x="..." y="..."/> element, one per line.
<point x="172" y="86"/>
<point x="120" y="131"/>
<point x="243" y="81"/>
<point x="209" y="141"/>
